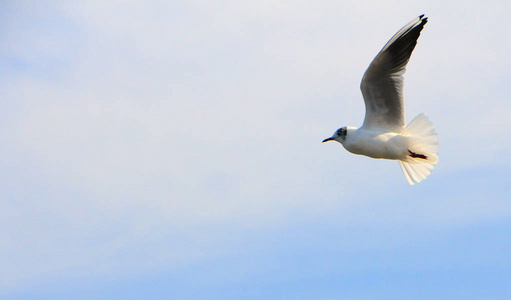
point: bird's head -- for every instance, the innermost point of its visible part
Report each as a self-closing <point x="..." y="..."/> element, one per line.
<point x="339" y="135"/>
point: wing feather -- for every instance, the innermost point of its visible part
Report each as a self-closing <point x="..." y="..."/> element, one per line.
<point x="383" y="82"/>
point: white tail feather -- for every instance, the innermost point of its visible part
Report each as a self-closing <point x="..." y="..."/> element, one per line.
<point x="424" y="142"/>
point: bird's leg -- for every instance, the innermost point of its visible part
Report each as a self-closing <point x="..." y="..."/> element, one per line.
<point x="417" y="155"/>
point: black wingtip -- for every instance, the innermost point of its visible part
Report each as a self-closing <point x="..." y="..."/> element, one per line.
<point x="423" y="19"/>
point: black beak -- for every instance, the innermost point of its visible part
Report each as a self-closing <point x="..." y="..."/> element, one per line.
<point x="328" y="139"/>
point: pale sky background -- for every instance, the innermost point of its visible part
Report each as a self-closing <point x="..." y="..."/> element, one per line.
<point x="172" y="150"/>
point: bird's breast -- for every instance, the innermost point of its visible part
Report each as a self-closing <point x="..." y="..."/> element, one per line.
<point x="387" y="145"/>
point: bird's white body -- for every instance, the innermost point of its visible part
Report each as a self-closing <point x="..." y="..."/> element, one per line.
<point x="384" y="134"/>
<point x="416" y="147"/>
<point x="376" y="144"/>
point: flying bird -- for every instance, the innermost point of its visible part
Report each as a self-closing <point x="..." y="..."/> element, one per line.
<point x="384" y="133"/>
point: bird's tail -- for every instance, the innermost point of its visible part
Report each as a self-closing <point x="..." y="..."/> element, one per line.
<point x="422" y="149"/>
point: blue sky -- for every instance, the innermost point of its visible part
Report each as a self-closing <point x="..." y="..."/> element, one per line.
<point x="156" y="150"/>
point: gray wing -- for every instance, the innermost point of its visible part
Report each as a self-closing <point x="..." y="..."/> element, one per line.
<point x="382" y="84"/>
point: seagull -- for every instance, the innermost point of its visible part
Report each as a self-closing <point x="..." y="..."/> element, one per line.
<point x="384" y="133"/>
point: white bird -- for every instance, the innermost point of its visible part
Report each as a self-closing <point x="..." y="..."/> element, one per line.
<point x="383" y="133"/>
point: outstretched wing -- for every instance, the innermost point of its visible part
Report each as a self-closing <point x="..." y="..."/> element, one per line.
<point x="382" y="84"/>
